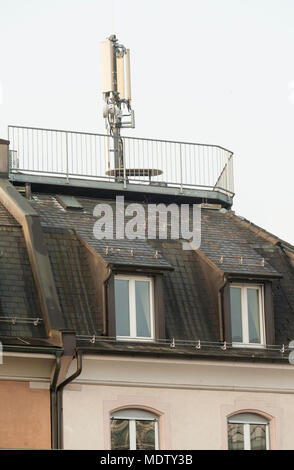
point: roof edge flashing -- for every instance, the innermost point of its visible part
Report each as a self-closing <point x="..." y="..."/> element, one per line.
<point x="79" y="186"/>
<point x="28" y="218"/>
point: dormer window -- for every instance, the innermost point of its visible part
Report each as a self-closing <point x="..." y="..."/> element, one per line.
<point x="247" y="315"/>
<point x="134" y="307"/>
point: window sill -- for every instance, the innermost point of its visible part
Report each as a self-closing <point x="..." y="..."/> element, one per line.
<point x="134" y="340"/>
<point x="248" y="346"/>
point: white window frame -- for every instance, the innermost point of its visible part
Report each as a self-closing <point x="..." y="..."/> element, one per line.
<point x="133" y="415"/>
<point x="132" y="307"/>
<point x="244" y="314"/>
<point x="246" y="428"/>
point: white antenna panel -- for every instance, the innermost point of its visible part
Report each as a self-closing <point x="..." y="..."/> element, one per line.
<point x="107" y="66"/>
<point x="128" y="74"/>
<point x="120" y="76"/>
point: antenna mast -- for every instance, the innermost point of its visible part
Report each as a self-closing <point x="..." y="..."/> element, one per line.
<point x="116" y="89"/>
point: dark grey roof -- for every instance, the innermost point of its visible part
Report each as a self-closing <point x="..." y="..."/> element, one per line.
<point x="188" y="305"/>
<point x="74" y="284"/>
<point x="232" y="247"/>
<point x="117" y="252"/>
<point x="190" y="314"/>
<point x="19" y="305"/>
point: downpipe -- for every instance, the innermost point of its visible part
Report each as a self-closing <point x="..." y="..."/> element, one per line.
<point x="57" y="440"/>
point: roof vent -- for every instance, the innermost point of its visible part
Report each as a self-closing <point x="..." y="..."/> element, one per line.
<point x="69" y="202"/>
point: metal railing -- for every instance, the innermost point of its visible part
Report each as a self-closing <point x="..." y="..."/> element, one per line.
<point x="72" y="154"/>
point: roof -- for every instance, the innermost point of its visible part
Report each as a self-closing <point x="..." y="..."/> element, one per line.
<point x="232" y="247"/>
<point x="116" y="252"/>
<point x="190" y="312"/>
<point x="19" y="305"/>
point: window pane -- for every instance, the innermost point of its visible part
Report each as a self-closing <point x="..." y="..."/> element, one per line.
<point x="236" y="436"/>
<point x="250" y="418"/>
<point x="122" y="313"/>
<point x="145" y="435"/>
<point x="120" y="436"/>
<point x="143" y="309"/>
<point x="253" y="315"/>
<point x="258" y="436"/>
<point x="236" y="314"/>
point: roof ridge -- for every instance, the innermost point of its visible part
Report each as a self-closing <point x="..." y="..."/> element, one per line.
<point x="274" y="239"/>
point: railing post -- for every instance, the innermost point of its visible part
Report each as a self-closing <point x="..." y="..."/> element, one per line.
<point x="181" y="170"/>
<point x="107" y="155"/>
<point x="66" y="146"/>
<point x="228" y="173"/>
<point x="231" y="173"/>
<point x="227" y="176"/>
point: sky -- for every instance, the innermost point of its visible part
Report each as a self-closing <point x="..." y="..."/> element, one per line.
<point x="211" y="71"/>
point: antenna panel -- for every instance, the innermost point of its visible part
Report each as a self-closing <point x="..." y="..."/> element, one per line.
<point x="107" y="66"/>
<point x="120" y="76"/>
<point x="128" y="74"/>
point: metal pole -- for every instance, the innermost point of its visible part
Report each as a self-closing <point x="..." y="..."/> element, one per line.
<point x="116" y="138"/>
<point x="124" y="165"/>
<point x="116" y="119"/>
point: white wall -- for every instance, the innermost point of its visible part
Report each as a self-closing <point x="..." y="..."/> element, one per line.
<point x="193" y="399"/>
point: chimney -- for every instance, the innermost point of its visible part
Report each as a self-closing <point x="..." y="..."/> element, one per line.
<point x="4" y="144"/>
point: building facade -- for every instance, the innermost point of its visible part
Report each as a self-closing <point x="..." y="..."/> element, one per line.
<point x="119" y="343"/>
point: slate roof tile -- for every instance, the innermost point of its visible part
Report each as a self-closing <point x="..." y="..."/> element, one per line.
<point x="190" y="314"/>
<point x="18" y="297"/>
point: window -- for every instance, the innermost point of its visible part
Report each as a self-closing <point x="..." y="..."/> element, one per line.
<point x="134" y="307"/>
<point x="134" y="429"/>
<point x="247" y="315"/>
<point x="248" y="431"/>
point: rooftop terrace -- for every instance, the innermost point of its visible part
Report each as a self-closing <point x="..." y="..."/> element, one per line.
<point x="61" y="157"/>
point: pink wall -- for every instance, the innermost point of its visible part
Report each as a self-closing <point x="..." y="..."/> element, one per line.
<point x="24" y="416"/>
<point x="188" y="419"/>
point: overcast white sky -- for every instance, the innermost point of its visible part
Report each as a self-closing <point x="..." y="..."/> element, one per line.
<point x="212" y="71"/>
